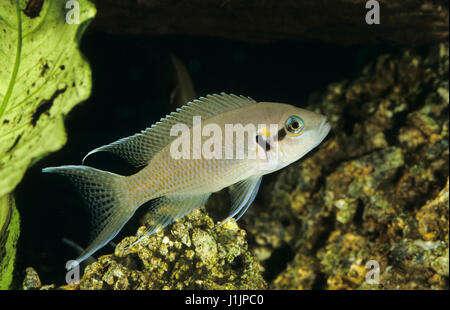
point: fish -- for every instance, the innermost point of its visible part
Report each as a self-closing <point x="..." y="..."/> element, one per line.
<point x="211" y="143"/>
<point x="184" y="90"/>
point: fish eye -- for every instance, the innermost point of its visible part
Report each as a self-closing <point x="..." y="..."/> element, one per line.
<point x="294" y="126"/>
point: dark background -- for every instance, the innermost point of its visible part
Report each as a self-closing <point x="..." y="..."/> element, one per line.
<point x="132" y="80"/>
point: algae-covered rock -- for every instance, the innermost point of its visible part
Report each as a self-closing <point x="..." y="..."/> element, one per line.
<point x="31" y="280"/>
<point x="344" y="259"/>
<point x="299" y="275"/>
<point x="190" y="254"/>
<point x="374" y="190"/>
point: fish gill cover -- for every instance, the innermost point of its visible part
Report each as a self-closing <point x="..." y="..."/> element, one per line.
<point x="42" y="77"/>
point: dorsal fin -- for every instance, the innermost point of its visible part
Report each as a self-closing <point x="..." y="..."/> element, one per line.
<point x="141" y="147"/>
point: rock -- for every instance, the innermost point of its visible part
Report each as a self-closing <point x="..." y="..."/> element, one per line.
<point x="299" y="275"/>
<point x="432" y="218"/>
<point x="31" y="280"/>
<point x="343" y="260"/>
<point x="189" y="254"/>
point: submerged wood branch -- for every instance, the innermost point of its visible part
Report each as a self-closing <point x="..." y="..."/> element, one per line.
<point x="338" y="22"/>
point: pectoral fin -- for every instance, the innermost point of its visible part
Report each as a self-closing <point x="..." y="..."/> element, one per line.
<point x="242" y="195"/>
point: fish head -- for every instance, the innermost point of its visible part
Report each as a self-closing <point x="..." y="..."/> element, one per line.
<point x="299" y="131"/>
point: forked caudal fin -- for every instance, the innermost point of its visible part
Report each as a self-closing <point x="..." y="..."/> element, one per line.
<point x="109" y="201"/>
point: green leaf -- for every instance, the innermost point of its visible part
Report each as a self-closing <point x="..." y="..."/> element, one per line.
<point x="42" y="77"/>
<point x="10" y="224"/>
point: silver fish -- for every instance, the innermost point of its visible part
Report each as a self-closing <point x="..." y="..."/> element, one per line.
<point x="176" y="184"/>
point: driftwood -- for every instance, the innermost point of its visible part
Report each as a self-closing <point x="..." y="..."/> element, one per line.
<point x="342" y="22"/>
